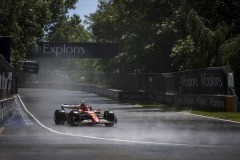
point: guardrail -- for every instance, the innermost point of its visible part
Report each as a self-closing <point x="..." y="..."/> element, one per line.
<point x="7" y="72"/>
<point x="6" y="108"/>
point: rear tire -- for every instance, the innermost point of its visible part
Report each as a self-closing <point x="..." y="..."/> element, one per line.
<point x="59" y="117"/>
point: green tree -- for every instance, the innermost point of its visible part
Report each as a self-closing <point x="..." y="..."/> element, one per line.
<point x="69" y="30"/>
<point x="230" y="52"/>
<point x="185" y="54"/>
<point x="208" y="32"/>
<point x="27" y="21"/>
<point x="24" y="22"/>
<point x="144" y="44"/>
<point x="59" y="10"/>
<point x="207" y="40"/>
<point x="228" y="11"/>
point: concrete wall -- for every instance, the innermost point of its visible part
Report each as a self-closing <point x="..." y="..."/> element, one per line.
<point x="216" y="102"/>
<point x="6" y="109"/>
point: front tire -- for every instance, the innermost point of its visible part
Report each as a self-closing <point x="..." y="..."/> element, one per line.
<point x="110" y="116"/>
<point x="59" y="117"/>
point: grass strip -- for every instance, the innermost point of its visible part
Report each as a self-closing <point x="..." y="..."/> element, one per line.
<point x="233" y="116"/>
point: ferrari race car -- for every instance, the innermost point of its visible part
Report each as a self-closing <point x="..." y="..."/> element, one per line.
<point x="83" y="114"/>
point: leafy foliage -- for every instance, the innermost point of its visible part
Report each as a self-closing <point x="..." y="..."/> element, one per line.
<point x="132" y="24"/>
<point x="24" y="21"/>
<point x="27" y="21"/>
<point x="208" y="41"/>
<point x="185" y="55"/>
<point x="69" y="30"/>
<point x="230" y="52"/>
<point x="153" y="35"/>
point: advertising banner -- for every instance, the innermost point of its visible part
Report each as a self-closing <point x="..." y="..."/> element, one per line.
<point x="215" y="102"/>
<point x="30" y="67"/>
<point x="74" y="50"/>
<point x="131" y="96"/>
<point x="203" y="81"/>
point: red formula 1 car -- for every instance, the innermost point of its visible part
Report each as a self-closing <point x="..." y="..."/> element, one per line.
<point x="83" y="114"/>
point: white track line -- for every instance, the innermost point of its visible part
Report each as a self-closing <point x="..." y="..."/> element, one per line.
<point x="116" y="140"/>
<point x="210" y="117"/>
<point x="25" y="118"/>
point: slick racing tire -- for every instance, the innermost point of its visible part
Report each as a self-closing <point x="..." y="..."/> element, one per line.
<point x="109" y="124"/>
<point x="110" y="116"/>
<point x="74" y="119"/>
<point x="59" y="117"/>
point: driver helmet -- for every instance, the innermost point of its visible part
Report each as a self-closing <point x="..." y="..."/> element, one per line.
<point x="82" y="103"/>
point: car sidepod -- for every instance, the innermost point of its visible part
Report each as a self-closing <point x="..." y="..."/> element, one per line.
<point x="93" y="116"/>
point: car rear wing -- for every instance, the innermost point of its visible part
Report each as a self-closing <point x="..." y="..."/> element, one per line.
<point x="75" y="106"/>
<point x="70" y="106"/>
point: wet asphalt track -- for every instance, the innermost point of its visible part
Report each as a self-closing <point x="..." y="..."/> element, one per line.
<point x="139" y="134"/>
